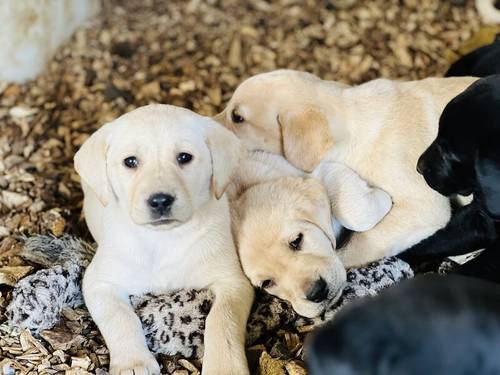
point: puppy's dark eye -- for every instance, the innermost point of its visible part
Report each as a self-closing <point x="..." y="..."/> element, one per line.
<point x="131" y="162"/>
<point x="184" y="158"/>
<point x="236" y="118"/>
<point x="266" y="284"/>
<point x="296" y="244"/>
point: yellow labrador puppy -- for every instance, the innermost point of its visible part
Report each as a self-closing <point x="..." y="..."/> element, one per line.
<point x="379" y="129"/>
<point x="285" y="232"/>
<point x="154" y="181"/>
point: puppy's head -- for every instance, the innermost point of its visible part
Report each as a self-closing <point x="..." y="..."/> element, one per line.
<point x="464" y="158"/>
<point x="427" y="325"/>
<point x="286" y="243"/>
<point x="158" y="163"/>
<point x="280" y="112"/>
<point x="448" y="163"/>
<point x="446" y="169"/>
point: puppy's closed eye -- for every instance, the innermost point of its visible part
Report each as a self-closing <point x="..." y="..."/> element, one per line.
<point x="296" y="244"/>
<point x="266" y="284"/>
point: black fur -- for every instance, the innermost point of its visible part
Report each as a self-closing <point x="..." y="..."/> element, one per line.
<point x="431" y="325"/>
<point x="481" y="62"/>
<point x="465" y="158"/>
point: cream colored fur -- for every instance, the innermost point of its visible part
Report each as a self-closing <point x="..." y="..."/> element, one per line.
<point x="488" y="12"/>
<point x="136" y="254"/>
<point x="32" y="30"/>
<point x="379" y="129"/>
<point x="273" y="202"/>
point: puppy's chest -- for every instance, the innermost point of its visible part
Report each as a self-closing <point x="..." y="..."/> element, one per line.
<point x="171" y="273"/>
<point x="172" y="268"/>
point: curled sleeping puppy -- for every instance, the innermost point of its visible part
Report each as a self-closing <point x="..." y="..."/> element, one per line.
<point x="378" y="129"/>
<point x="465" y="159"/>
<point x="430" y="325"/>
<point x="154" y="182"/>
<point x="284" y="230"/>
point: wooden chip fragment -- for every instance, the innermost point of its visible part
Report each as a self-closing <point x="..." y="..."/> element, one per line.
<point x="22" y="112"/>
<point x="293" y="368"/>
<point x="11" y="275"/>
<point x="305" y="329"/>
<point x="82" y="362"/>
<point x="234" y="57"/>
<point x="77" y="371"/>
<point x="12" y="199"/>
<point x="189" y="366"/>
<point x="271" y="366"/>
<point x="61" y="339"/>
<point x="292" y="341"/>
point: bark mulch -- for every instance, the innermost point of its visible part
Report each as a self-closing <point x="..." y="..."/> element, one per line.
<point x="191" y="54"/>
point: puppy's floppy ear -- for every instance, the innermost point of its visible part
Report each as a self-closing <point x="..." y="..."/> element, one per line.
<point x="91" y="163"/>
<point x="317" y="212"/>
<point x="355" y="204"/>
<point x="306" y="136"/>
<point x="487" y="165"/>
<point x="225" y="150"/>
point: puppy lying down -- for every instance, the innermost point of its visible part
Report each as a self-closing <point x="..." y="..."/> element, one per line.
<point x="174" y="322"/>
<point x="284" y="229"/>
<point x="153" y="183"/>
<point x="379" y="129"/>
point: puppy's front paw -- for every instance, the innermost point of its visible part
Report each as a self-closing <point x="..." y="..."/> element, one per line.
<point x="134" y="364"/>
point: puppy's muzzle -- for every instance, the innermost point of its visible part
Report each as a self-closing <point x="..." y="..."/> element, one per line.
<point x="318" y="291"/>
<point x="160" y="204"/>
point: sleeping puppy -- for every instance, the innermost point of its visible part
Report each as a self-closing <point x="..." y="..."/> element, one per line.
<point x="430" y="325"/>
<point x="285" y="232"/>
<point x="154" y="182"/>
<point x="464" y="159"/>
<point x="378" y="129"/>
<point x="481" y="62"/>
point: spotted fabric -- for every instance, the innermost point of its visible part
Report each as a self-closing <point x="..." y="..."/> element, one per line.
<point x="173" y="323"/>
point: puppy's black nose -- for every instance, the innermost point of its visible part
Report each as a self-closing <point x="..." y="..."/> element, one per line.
<point x="318" y="291"/>
<point x="160" y="203"/>
<point x="421" y="166"/>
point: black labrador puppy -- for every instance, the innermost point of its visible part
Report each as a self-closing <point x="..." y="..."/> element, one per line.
<point x="465" y="159"/>
<point x="481" y="62"/>
<point x="432" y="325"/>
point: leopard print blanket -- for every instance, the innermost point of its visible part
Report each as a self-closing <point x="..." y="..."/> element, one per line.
<point x="173" y="323"/>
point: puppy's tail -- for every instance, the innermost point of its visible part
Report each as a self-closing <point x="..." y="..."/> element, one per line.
<point x="488" y="11"/>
